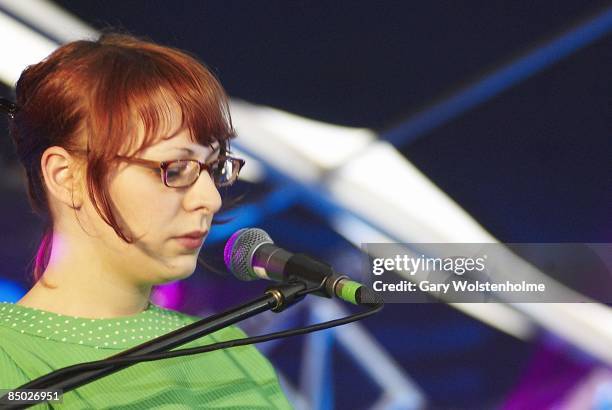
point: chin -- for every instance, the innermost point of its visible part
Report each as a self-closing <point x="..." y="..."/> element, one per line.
<point x="177" y="275"/>
<point x="177" y="269"/>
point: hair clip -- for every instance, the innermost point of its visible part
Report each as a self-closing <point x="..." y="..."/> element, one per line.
<point x="9" y="107"/>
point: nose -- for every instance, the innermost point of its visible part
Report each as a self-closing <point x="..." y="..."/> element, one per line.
<point x="203" y="194"/>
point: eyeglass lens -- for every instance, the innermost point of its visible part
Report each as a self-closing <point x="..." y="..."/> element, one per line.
<point x="184" y="172"/>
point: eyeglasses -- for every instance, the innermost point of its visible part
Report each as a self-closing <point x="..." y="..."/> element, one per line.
<point x="182" y="173"/>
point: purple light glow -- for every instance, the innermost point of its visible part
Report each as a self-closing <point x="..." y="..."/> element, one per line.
<point x="229" y="245"/>
<point x="553" y="372"/>
<point x="169" y="295"/>
<point x="42" y="254"/>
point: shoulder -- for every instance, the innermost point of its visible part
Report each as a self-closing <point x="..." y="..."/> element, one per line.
<point x="227" y="333"/>
<point x="244" y="353"/>
<point x="182" y="319"/>
<point x="11" y="375"/>
<point x="247" y="354"/>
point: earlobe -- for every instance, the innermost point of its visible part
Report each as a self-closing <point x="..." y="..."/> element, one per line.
<point x="62" y="177"/>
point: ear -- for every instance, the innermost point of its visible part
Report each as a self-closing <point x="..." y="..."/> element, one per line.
<point x="62" y="174"/>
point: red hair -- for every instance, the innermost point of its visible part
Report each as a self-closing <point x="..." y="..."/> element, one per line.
<point x="88" y="94"/>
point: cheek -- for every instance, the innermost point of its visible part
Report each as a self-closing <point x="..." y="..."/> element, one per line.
<point x="141" y="203"/>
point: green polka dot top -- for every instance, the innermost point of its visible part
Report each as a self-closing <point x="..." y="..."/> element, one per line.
<point x="34" y="342"/>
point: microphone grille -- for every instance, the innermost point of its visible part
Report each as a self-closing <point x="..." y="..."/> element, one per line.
<point x="239" y="251"/>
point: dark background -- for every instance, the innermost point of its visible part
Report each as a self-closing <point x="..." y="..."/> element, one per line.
<point x="531" y="165"/>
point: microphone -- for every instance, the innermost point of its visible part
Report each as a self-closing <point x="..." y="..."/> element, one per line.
<point x="251" y="254"/>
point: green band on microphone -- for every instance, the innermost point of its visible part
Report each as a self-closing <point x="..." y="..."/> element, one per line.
<point x="348" y="291"/>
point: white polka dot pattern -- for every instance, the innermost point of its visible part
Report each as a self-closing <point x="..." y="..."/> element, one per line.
<point x="115" y="333"/>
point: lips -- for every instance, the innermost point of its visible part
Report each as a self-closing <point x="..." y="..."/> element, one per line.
<point x="194" y="235"/>
<point x="192" y="240"/>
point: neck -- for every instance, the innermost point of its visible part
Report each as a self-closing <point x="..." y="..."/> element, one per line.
<point x="72" y="298"/>
<point x="75" y="286"/>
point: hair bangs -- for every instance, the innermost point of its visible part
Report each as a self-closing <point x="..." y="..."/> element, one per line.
<point x="182" y="92"/>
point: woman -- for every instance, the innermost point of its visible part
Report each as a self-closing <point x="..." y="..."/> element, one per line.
<point x="125" y="144"/>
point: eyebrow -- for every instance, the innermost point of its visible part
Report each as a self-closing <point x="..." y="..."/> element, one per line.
<point x="192" y="152"/>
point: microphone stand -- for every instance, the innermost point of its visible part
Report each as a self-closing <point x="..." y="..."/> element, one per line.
<point x="276" y="298"/>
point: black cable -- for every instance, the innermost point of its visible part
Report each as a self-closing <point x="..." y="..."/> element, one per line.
<point x="36" y="384"/>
